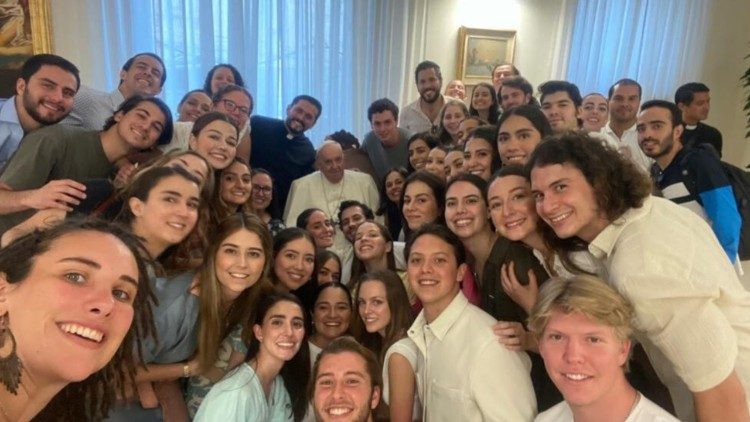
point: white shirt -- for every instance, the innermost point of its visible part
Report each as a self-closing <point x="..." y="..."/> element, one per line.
<point x="628" y="146"/>
<point x="413" y="119"/>
<point x="692" y="313"/>
<point x="464" y="373"/>
<point x="406" y="348"/>
<point x="644" y="411"/>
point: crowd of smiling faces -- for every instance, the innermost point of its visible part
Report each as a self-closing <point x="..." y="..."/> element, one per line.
<point x="380" y="311"/>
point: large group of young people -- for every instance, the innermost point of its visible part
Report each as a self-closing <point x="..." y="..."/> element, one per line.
<point x="491" y="256"/>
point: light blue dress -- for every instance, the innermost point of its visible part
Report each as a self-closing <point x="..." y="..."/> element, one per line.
<point x="239" y="397"/>
<point x="176" y="322"/>
<point x="198" y="386"/>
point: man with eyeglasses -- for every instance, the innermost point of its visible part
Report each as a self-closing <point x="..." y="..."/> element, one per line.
<point x="234" y="101"/>
<point x="327" y="188"/>
<point x="281" y="146"/>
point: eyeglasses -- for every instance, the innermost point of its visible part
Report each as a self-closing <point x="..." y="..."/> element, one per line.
<point x="262" y="190"/>
<point x="231" y="106"/>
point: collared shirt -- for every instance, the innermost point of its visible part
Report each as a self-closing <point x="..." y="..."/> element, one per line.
<point x="464" y="373"/>
<point x="11" y="131"/>
<point x="692" y="313"/>
<point x="414" y="120"/>
<point x="629" y="146"/>
<point x="92" y="108"/>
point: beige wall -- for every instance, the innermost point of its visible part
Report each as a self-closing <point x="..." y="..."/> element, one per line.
<point x="727" y="43"/>
<point x="536" y="22"/>
<point x="76" y="34"/>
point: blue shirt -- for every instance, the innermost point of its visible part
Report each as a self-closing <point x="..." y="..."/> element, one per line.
<point x="11" y="131"/>
<point x="696" y="180"/>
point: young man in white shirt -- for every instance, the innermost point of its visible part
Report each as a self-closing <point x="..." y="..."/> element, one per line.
<point x="690" y="308"/>
<point x="583" y="329"/>
<point x="463" y="372"/>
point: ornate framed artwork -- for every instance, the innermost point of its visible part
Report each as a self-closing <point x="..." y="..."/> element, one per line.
<point x="479" y="50"/>
<point x="24" y="31"/>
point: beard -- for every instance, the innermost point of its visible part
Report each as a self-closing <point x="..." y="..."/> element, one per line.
<point x="31" y="104"/>
<point x="293" y="131"/>
<point x="666" y="145"/>
<point x="430" y="96"/>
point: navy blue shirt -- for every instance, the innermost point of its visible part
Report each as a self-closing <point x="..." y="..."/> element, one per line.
<point x="696" y="180"/>
<point x="287" y="157"/>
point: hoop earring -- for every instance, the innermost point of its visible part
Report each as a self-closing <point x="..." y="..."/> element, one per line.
<point x="10" y="365"/>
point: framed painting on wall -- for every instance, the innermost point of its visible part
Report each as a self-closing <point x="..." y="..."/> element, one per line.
<point x="24" y="31"/>
<point x="479" y="50"/>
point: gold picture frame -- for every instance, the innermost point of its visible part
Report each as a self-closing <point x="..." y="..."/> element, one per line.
<point x="24" y="31"/>
<point x="480" y="50"/>
<point x="41" y="26"/>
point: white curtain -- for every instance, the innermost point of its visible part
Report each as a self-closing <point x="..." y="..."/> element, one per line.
<point x="347" y="53"/>
<point x="659" y="43"/>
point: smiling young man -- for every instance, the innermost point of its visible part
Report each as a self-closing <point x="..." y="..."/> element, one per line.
<point x="346" y="382"/>
<point x="515" y="91"/>
<point x="423" y="114"/>
<point x="624" y="98"/>
<point x="50" y="165"/>
<point x="583" y="329"/>
<point x="691" y="177"/>
<point x="560" y="102"/>
<point x="386" y="143"/>
<point x="44" y="95"/>
<point x="690" y="307"/>
<point x="143" y="74"/>
<point x="463" y="372"/>
<point x="281" y="147"/>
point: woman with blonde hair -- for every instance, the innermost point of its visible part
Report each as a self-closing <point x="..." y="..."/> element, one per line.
<point x="451" y="115"/>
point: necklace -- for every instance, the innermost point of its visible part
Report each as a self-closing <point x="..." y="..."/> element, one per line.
<point x="635" y="403"/>
<point x="338" y="198"/>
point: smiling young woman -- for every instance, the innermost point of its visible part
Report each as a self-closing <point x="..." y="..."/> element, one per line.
<point x="162" y="208"/>
<point x="331" y="314"/>
<point x="293" y="264"/>
<point x="230" y="282"/>
<point x="214" y="137"/>
<point x="73" y="299"/>
<point x="271" y="384"/>
<point x="384" y="318"/>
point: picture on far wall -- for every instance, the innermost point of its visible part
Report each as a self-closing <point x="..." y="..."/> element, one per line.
<point x="24" y="31"/>
<point x="479" y="50"/>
